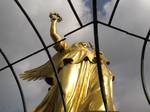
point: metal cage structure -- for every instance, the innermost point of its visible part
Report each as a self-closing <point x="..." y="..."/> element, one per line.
<point x="95" y="23"/>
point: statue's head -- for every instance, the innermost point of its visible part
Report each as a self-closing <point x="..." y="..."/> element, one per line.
<point x="84" y="45"/>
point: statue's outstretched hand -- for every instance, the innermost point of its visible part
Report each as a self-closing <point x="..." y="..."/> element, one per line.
<point x="55" y="16"/>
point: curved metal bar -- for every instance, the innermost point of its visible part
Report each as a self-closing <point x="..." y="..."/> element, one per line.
<point x="36" y="52"/>
<point x="142" y="68"/>
<point x="48" y="54"/>
<point x="113" y="12"/>
<point x="16" y="79"/>
<point x="78" y="29"/>
<point x="75" y="13"/>
<point x="121" y="30"/>
<point x="96" y="40"/>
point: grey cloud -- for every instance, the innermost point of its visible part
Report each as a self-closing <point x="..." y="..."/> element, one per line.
<point x="133" y="16"/>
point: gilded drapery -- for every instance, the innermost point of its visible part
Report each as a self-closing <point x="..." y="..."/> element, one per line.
<point x="78" y="75"/>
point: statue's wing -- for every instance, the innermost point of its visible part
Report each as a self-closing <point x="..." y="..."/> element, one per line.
<point x="38" y="73"/>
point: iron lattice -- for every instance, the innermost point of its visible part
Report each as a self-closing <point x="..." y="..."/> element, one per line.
<point x="95" y="23"/>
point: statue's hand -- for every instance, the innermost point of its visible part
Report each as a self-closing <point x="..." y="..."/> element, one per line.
<point x="55" y="16"/>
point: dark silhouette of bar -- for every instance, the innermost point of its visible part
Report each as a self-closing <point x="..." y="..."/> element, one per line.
<point x="97" y="50"/>
<point x="113" y="12"/>
<point x="75" y="13"/>
<point x="16" y="79"/>
<point x="142" y="68"/>
<point x="47" y="52"/>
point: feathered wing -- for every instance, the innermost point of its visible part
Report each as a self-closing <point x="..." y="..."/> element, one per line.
<point x="38" y="73"/>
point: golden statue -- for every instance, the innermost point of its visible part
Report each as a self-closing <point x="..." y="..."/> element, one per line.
<point x="77" y="71"/>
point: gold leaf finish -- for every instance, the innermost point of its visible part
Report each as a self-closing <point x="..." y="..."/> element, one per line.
<point x="76" y="65"/>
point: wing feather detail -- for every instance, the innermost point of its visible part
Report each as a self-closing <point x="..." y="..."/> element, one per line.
<point x="38" y="73"/>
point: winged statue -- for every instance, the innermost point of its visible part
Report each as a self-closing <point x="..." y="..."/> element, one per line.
<point x="78" y="75"/>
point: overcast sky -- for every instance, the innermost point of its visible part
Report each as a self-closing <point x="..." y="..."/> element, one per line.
<point x="17" y="39"/>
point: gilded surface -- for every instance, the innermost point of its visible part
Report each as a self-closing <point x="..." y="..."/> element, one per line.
<point x="76" y="65"/>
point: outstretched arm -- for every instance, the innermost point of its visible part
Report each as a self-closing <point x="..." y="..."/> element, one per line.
<point x="55" y="18"/>
<point x="63" y="45"/>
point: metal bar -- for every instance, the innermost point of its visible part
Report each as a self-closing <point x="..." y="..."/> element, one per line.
<point x="3" y="68"/>
<point x="108" y="25"/>
<point x="17" y="81"/>
<point x="75" y="13"/>
<point x="96" y="40"/>
<point x="113" y="27"/>
<point x="48" y="54"/>
<point x="142" y="68"/>
<point x="118" y="29"/>
<point x="113" y="12"/>
<point x="36" y="52"/>
<point x="78" y="29"/>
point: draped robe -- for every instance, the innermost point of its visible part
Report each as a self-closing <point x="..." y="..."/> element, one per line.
<point x="78" y="75"/>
